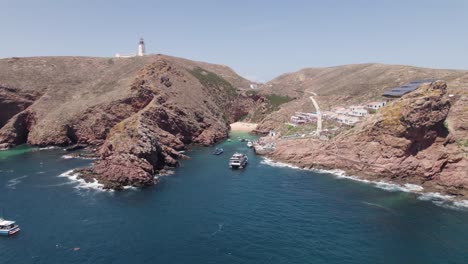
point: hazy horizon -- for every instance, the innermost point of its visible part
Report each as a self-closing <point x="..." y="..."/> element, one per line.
<point x="259" y="40"/>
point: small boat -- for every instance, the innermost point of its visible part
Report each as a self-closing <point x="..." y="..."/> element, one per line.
<point x="8" y="228"/>
<point x="249" y="144"/>
<point x="238" y="161"/>
<point x="218" y="151"/>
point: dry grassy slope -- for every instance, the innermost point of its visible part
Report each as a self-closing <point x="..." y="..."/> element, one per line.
<point x="68" y="86"/>
<point x="351" y="84"/>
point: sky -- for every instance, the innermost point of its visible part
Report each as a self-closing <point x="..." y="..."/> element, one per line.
<point x="258" y="39"/>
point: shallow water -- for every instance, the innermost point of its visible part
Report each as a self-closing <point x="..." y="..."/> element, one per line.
<point x="206" y="213"/>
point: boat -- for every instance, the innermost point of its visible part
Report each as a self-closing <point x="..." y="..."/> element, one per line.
<point x="249" y="144"/>
<point x="8" y="228"/>
<point x="238" y="161"/>
<point x="218" y="151"/>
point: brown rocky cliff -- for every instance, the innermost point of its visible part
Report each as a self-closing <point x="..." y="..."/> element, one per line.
<point x="406" y="141"/>
<point x="139" y="112"/>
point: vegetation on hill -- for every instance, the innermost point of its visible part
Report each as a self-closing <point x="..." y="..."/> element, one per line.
<point x="211" y="79"/>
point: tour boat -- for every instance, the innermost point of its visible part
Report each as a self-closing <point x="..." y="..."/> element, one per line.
<point x="238" y="161"/>
<point x="218" y="151"/>
<point x="8" y="228"/>
<point x="249" y="144"/>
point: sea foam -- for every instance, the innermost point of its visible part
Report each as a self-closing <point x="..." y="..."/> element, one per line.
<point x="446" y="201"/>
<point x="82" y="184"/>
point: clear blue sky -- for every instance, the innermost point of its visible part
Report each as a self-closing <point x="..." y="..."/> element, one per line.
<point x="258" y="39"/>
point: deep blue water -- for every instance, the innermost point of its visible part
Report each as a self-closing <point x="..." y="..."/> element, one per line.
<point x="206" y="213"/>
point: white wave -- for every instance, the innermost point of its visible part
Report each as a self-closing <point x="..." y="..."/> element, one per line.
<point x="82" y="184"/>
<point x="165" y="173"/>
<point x="273" y="163"/>
<point x="77" y="157"/>
<point x="446" y="201"/>
<point x="11" y="184"/>
<point x="49" y="147"/>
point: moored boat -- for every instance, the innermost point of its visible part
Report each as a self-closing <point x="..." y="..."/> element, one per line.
<point x="249" y="144"/>
<point x="218" y="151"/>
<point x="8" y="228"/>
<point x="238" y="161"/>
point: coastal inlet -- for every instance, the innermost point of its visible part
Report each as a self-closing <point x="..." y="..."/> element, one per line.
<point x="206" y="213"/>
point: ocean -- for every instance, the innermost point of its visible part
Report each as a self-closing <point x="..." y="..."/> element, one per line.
<point x="206" y="213"/>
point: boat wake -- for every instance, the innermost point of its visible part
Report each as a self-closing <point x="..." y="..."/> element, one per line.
<point x="446" y="201"/>
<point x="11" y="184"/>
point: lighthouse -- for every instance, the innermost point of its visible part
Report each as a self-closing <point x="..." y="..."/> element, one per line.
<point x="141" y="47"/>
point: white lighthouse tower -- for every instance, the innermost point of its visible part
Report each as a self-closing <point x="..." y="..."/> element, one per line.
<point x="141" y="47"/>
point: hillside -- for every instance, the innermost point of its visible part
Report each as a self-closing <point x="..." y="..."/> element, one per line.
<point x="139" y="112"/>
<point x="407" y="141"/>
<point x="350" y="84"/>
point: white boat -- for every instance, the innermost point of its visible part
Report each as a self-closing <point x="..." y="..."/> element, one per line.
<point x="238" y="161"/>
<point x="8" y="228"/>
<point x="249" y="144"/>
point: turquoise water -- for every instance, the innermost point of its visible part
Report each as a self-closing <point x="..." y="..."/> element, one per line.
<point x="206" y="213"/>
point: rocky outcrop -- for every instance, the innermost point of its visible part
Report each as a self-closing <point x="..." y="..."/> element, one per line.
<point x="406" y="141"/>
<point x="138" y="112"/>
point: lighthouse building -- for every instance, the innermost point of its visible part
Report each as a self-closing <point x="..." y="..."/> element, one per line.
<point x="141" y="51"/>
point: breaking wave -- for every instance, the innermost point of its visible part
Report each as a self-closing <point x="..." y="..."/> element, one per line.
<point x="82" y="184"/>
<point x="446" y="201"/>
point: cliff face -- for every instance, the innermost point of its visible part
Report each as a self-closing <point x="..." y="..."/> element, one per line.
<point x="409" y="140"/>
<point x="139" y="112"/>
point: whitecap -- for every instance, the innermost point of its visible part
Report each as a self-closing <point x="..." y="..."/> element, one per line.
<point x="273" y="163"/>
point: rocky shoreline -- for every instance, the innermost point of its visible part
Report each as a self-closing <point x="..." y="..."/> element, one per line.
<point x="137" y="113"/>
<point x="406" y="142"/>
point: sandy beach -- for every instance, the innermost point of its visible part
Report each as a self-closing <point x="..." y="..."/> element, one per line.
<point x="243" y="126"/>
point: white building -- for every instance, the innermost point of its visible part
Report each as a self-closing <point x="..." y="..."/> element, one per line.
<point x="141" y="48"/>
<point x="298" y="120"/>
<point x="359" y="112"/>
<point x="376" y="105"/>
<point x="348" y="120"/>
<point x="141" y="51"/>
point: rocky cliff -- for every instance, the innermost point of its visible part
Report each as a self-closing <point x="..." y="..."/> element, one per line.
<point x="410" y="140"/>
<point x="138" y="112"/>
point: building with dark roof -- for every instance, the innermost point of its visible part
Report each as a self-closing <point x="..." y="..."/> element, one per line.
<point x="404" y="89"/>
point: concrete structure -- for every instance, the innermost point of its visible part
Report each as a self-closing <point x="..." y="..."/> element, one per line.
<point x="348" y="120"/>
<point x="358" y="110"/>
<point x="376" y="105"/>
